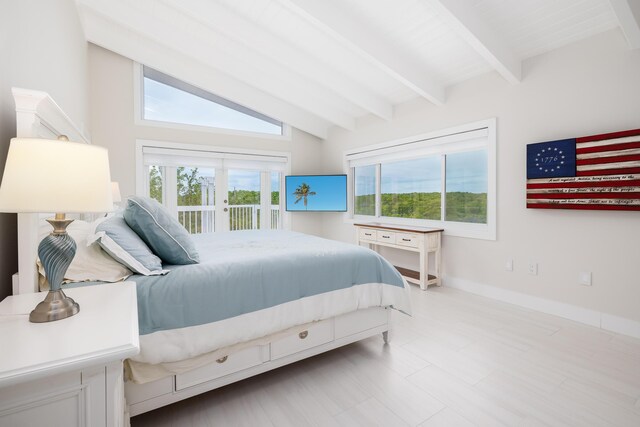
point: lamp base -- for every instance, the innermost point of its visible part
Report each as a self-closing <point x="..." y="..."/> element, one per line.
<point x="55" y="306"/>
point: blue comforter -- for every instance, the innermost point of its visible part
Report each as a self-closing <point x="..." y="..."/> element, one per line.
<point x="245" y="271"/>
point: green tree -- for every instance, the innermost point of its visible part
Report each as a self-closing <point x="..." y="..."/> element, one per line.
<point x="155" y="183"/>
<point x="460" y="206"/>
<point x="302" y="193"/>
<point x="244" y="197"/>
<point x="189" y="187"/>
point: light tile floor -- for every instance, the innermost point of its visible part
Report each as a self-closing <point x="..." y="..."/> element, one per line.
<point x="461" y="360"/>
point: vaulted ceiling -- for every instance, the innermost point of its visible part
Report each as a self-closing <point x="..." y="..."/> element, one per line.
<point x="319" y="63"/>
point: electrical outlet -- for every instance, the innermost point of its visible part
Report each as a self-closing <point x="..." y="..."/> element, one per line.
<point x="533" y="268"/>
<point x="509" y="265"/>
<point x="584" y="278"/>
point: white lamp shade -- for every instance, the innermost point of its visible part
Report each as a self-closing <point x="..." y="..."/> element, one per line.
<point x="45" y="176"/>
<point x="115" y="192"/>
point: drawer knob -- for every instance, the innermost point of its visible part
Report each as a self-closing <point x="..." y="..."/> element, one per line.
<point x="406" y="240"/>
<point x="222" y="359"/>
<point x="303" y="334"/>
<point x="367" y="234"/>
<point x="386" y="237"/>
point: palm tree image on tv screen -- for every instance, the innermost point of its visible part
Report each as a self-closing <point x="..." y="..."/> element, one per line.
<point x="303" y="192"/>
<point x="316" y="193"/>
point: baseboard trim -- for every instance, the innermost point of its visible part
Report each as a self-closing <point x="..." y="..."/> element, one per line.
<point x="595" y="318"/>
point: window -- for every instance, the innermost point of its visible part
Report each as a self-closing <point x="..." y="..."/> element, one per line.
<point x="167" y="99"/>
<point x="210" y="190"/>
<point x="466" y="187"/>
<point x="365" y="190"/>
<point x="411" y="188"/>
<point x="446" y="179"/>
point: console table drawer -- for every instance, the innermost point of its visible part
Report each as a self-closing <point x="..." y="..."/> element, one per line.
<point x="410" y="240"/>
<point x="386" y="236"/>
<point x="367" y="234"/>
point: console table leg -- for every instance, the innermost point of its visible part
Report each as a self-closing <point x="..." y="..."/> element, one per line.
<point x="438" y="267"/>
<point x="424" y="271"/>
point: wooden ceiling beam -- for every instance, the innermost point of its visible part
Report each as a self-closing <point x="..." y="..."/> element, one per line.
<point x="628" y="14"/>
<point x="460" y="16"/>
<point x="239" y="28"/>
<point x="370" y="45"/>
<point x="234" y="26"/>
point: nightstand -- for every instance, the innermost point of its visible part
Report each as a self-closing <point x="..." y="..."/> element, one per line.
<point x="67" y="372"/>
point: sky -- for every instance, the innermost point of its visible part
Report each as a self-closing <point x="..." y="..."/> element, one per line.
<point x="466" y="172"/>
<point x="167" y="104"/>
<point x="331" y="193"/>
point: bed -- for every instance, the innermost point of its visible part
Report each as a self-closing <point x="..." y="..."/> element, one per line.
<point x="257" y="300"/>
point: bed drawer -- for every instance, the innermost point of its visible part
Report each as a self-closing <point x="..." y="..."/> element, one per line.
<point x="386" y="236"/>
<point x="367" y="234"/>
<point x="361" y="320"/>
<point x="226" y="365"/>
<point x="409" y="240"/>
<point x="317" y="334"/>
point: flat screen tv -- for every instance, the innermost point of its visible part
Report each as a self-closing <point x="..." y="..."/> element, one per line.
<point x="316" y="193"/>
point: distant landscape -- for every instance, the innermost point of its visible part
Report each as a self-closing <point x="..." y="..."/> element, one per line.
<point x="189" y="186"/>
<point x="460" y="206"/>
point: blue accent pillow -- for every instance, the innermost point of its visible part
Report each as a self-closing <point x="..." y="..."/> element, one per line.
<point x="160" y="230"/>
<point x="125" y="246"/>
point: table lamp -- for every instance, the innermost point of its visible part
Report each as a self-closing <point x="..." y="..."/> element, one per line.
<point x="43" y="176"/>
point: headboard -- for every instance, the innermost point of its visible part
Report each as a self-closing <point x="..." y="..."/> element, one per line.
<point x="37" y="116"/>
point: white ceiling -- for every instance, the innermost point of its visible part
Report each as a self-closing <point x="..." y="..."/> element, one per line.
<point x="319" y="63"/>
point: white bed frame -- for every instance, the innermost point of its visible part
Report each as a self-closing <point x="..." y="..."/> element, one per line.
<point x="38" y="116"/>
<point x="321" y="337"/>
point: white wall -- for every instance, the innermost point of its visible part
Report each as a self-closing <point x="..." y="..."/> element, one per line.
<point x="587" y="88"/>
<point x="113" y="126"/>
<point x="42" y="47"/>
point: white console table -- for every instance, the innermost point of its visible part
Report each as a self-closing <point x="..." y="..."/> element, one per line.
<point x="67" y="372"/>
<point x="422" y="240"/>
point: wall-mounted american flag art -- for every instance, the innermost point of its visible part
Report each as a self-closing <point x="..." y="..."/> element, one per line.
<point x="594" y="172"/>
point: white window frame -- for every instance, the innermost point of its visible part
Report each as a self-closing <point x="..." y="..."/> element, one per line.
<point x="433" y="143"/>
<point x="237" y="154"/>
<point x="138" y="115"/>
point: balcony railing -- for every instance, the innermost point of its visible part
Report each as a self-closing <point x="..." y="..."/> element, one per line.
<point x="201" y="219"/>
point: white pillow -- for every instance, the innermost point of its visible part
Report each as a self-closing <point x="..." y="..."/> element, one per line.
<point x="125" y="246"/>
<point x="90" y="263"/>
